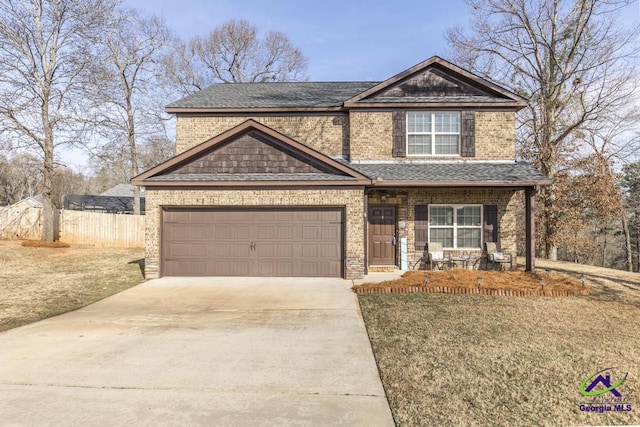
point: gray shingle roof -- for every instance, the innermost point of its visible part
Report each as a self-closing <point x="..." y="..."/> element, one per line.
<point x="273" y="95"/>
<point x="448" y="172"/>
<point x="462" y="172"/>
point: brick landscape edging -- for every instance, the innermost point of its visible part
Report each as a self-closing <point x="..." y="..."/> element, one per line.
<point x="469" y="291"/>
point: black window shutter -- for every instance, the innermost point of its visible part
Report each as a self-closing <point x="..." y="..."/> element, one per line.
<point x="399" y="134"/>
<point x="490" y="226"/>
<point x="468" y="134"/>
<point x="421" y="226"/>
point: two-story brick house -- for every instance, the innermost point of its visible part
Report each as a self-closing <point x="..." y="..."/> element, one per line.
<point x="332" y="178"/>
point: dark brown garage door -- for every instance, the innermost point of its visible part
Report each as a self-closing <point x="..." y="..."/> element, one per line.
<point x="252" y="242"/>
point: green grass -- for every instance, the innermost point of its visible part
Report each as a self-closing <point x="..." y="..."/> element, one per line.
<point x="474" y="360"/>
<point x="40" y="282"/>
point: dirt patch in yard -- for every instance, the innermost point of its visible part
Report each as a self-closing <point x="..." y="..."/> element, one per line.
<point x="547" y="283"/>
<point x="40" y="282"/>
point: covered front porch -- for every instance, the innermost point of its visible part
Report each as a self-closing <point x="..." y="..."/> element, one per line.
<point x="402" y="221"/>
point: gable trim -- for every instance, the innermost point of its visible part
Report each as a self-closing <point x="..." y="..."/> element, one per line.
<point x="244" y="127"/>
<point x="484" y="84"/>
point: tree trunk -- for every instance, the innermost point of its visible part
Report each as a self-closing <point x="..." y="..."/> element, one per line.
<point x="627" y="242"/>
<point x="604" y="251"/>
<point x="133" y="153"/>
<point x="637" y="248"/>
<point x="47" y="175"/>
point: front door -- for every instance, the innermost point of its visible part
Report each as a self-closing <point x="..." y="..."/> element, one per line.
<point x="382" y="230"/>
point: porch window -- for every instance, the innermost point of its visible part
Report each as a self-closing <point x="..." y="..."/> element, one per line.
<point x="433" y="133"/>
<point x="456" y="226"/>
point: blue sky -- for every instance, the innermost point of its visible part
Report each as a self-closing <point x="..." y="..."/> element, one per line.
<point x="343" y="40"/>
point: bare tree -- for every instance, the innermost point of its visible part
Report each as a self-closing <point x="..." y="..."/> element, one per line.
<point x="20" y="177"/>
<point x="45" y="50"/>
<point x="631" y="187"/>
<point x="571" y="59"/>
<point x="129" y="85"/>
<point x="112" y="164"/>
<point x="234" y="52"/>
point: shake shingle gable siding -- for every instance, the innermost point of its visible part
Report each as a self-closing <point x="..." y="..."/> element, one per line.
<point x="204" y="177"/>
<point x="438" y="99"/>
<point x="273" y="95"/>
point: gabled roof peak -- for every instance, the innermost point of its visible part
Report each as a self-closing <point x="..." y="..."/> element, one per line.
<point x="483" y="90"/>
<point x="250" y="154"/>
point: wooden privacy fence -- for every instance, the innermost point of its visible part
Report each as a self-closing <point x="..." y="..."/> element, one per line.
<point x="77" y="227"/>
<point x="102" y="229"/>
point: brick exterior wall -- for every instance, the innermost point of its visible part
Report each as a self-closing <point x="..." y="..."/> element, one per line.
<point x="362" y="135"/>
<point x="351" y="199"/>
<point x="495" y="135"/>
<point x="371" y="136"/>
<point x="327" y="133"/>
<point x="406" y="200"/>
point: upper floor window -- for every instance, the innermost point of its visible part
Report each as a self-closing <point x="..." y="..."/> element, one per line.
<point x="433" y="133"/>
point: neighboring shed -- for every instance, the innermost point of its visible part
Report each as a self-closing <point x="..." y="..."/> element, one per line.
<point x="29" y="202"/>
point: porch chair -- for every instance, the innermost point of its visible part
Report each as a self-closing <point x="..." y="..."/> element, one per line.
<point x="496" y="258"/>
<point x="437" y="259"/>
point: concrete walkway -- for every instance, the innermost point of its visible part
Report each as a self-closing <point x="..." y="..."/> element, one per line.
<point x="212" y="351"/>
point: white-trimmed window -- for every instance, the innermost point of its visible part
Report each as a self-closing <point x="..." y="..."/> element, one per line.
<point x="433" y="133"/>
<point x="456" y="226"/>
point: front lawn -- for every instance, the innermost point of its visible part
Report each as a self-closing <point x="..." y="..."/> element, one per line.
<point x="481" y="360"/>
<point x="40" y="282"/>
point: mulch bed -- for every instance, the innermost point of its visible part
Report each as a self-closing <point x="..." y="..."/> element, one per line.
<point x="41" y="244"/>
<point x="460" y="281"/>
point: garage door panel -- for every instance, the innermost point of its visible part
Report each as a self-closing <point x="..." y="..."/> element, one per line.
<point x="284" y="232"/>
<point x="285" y="269"/>
<point x="286" y="242"/>
<point x="239" y="250"/>
<point x="187" y="250"/>
<point x="223" y="232"/>
<point x="329" y="233"/>
<point x="329" y="251"/>
<point x="285" y="216"/>
<point x="266" y="232"/>
<point x="309" y="250"/>
<point x="285" y="250"/>
<point x="241" y="231"/>
<point x="310" y="232"/>
<point x="240" y="267"/>
<point x="220" y="250"/>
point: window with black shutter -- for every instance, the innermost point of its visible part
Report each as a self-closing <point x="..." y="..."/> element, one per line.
<point x="421" y="226"/>
<point x="491" y="224"/>
<point x="468" y="134"/>
<point x="399" y="148"/>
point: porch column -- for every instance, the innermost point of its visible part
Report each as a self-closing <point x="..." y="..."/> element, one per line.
<point x="530" y="229"/>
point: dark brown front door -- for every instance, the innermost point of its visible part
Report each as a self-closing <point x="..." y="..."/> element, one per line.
<point x="382" y="229"/>
<point x="252" y="242"/>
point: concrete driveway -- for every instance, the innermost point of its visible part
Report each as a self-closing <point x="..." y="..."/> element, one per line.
<point x="198" y="351"/>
